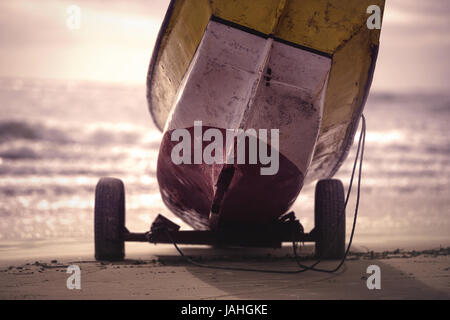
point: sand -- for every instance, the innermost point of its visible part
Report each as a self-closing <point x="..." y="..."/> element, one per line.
<point x="164" y="275"/>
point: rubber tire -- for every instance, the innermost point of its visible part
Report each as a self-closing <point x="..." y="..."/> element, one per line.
<point x="109" y="220"/>
<point x="329" y="219"/>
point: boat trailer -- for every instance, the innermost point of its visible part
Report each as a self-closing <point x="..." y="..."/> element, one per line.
<point x="328" y="233"/>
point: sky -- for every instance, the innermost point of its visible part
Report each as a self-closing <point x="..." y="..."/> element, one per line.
<point x="116" y="38"/>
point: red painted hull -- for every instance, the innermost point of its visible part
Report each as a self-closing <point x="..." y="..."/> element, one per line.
<point x="188" y="190"/>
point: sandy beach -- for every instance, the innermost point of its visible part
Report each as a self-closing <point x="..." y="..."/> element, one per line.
<point x="165" y="275"/>
<point x="74" y="109"/>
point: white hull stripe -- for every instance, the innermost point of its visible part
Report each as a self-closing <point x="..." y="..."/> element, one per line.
<point x="240" y="80"/>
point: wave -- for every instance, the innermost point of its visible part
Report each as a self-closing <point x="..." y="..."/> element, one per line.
<point x="32" y="171"/>
<point x="19" y="130"/>
<point x="53" y="190"/>
<point x="93" y="134"/>
<point x="404" y="150"/>
<point x="19" y="153"/>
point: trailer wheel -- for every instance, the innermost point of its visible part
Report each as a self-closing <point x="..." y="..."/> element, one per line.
<point x="109" y="220"/>
<point x="329" y="219"/>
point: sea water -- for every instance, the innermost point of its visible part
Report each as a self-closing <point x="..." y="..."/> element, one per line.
<point x="58" y="138"/>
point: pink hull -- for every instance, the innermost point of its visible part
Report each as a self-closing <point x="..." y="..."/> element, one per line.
<point x="188" y="190"/>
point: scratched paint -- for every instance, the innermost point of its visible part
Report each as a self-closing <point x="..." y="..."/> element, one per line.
<point x="226" y="87"/>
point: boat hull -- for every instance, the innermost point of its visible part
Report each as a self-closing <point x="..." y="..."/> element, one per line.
<point x="189" y="190"/>
<point x="303" y="68"/>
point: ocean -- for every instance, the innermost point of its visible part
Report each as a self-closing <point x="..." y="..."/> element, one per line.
<point x="58" y="138"/>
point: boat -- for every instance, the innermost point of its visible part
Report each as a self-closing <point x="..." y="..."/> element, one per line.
<point x="289" y="76"/>
<point x="304" y="67"/>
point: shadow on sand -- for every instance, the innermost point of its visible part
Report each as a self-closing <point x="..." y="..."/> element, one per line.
<point x="350" y="282"/>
